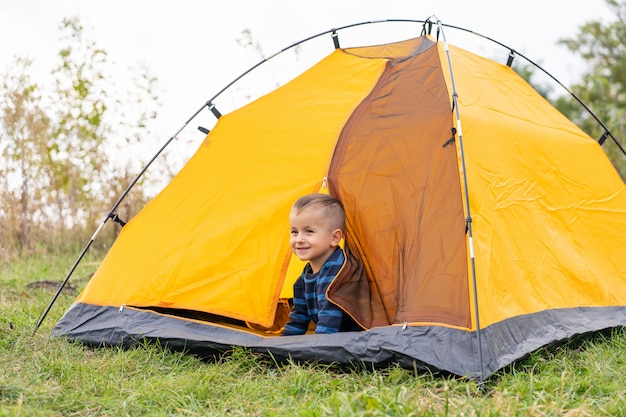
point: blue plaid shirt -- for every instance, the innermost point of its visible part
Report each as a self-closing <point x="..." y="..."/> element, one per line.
<point x="310" y="303"/>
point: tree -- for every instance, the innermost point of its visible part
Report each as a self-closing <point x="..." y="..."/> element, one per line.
<point x="603" y="86"/>
<point x="22" y="146"/>
<point x="61" y="146"/>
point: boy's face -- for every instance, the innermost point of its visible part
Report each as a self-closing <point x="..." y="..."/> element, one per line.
<point x="312" y="238"/>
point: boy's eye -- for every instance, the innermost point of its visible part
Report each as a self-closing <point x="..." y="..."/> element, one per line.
<point x="294" y="232"/>
<point x="309" y="232"/>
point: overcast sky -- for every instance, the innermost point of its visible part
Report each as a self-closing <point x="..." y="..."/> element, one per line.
<point x="191" y="47"/>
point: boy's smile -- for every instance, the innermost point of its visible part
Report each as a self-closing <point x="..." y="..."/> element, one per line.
<point x="311" y="237"/>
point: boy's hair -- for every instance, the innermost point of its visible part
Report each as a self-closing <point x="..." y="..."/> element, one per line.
<point x="332" y="208"/>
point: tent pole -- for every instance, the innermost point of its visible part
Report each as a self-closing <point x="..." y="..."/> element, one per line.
<point x="112" y="215"/>
<point x="428" y="23"/>
<point x="334" y="35"/>
<point x="209" y="104"/>
<point x="468" y="219"/>
<point x="69" y="274"/>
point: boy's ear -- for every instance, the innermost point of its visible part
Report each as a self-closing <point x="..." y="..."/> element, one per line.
<point x="336" y="237"/>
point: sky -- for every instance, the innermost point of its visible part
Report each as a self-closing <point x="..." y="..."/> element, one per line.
<point x="191" y="45"/>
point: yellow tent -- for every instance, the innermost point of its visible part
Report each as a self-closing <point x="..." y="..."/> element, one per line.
<point x="481" y="223"/>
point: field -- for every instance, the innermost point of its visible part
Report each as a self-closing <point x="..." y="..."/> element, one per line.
<point x="44" y="376"/>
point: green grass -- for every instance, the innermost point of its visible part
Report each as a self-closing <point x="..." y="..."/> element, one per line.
<point x="44" y="376"/>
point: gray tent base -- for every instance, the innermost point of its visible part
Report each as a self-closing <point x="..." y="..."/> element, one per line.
<point x="433" y="348"/>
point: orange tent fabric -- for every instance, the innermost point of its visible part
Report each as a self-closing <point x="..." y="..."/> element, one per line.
<point x="206" y="265"/>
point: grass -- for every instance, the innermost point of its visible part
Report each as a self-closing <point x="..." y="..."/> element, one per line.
<point x="44" y="376"/>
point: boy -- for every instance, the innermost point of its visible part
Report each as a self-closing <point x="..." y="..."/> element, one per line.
<point x="317" y="226"/>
